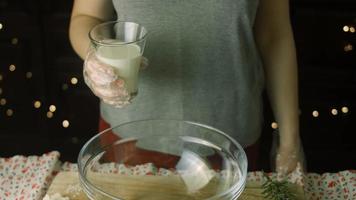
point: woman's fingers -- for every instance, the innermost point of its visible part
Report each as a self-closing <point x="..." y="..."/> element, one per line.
<point x="99" y="72"/>
<point x="115" y="94"/>
<point x="115" y="89"/>
<point x="104" y="83"/>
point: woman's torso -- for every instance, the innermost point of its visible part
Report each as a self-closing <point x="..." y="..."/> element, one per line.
<point x="204" y="65"/>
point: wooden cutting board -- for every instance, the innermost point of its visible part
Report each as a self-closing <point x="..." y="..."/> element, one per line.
<point x="145" y="187"/>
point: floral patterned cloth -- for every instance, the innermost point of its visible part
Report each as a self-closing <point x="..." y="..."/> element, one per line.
<point x="28" y="178"/>
<point x="329" y="186"/>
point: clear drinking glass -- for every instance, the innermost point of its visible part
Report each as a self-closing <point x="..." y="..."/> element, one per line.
<point x="200" y="162"/>
<point x="119" y="45"/>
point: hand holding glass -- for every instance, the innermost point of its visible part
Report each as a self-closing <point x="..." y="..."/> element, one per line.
<point x="113" y="61"/>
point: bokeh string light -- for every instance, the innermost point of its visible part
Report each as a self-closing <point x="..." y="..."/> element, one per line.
<point x="49" y="115"/>
<point x="52" y="108"/>
<point x="65" y="123"/>
<point x="37" y="104"/>
<point x="345" y="110"/>
<point x="9" y="112"/>
<point x="14" y="41"/>
<point x="12" y="68"/>
<point x="74" y="80"/>
<point x="65" y="87"/>
<point x="334" y="111"/>
<point x="348" y="47"/>
<point x="28" y="75"/>
<point x="3" y="101"/>
<point x="352" y="29"/>
<point x="274" y="125"/>
<point x="315" y="113"/>
<point x="346" y="28"/>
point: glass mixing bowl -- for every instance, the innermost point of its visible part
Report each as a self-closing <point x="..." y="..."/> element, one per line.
<point x="162" y="160"/>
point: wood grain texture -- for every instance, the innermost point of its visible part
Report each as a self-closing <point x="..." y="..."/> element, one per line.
<point x="147" y="187"/>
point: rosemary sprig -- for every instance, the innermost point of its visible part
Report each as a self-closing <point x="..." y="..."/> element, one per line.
<point x="276" y="190"/>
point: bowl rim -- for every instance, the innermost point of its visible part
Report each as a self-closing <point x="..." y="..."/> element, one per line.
<point x="238" y="184"/>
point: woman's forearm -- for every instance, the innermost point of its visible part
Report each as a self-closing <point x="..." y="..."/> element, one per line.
<point x="85" y="15"/>
<point x="280" y="64"/>
<point x="78" y="33"/>
<point x="274" y="38"/>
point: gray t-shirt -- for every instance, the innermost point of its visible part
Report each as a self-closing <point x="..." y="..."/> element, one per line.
<point x="204" y="65"/>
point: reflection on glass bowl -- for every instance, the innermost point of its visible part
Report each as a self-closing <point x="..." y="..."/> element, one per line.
<point x="200" y="162"/>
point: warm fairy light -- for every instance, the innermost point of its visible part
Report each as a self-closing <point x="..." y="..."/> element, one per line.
<point x="65" y="86"/>
<point x="65" y="123"/>
<point x="334" y="111"/>
<point x="345" y="109"/>
<point x="49" y="114"/>
<point x="52" y="108"/>
<point x="12" y="68"/>
<point x="274" y="125"/>
<point x="1" y="77"/>
<point x="352" y="29"/>
<point x="74" y="140"/>
<point x="74" y="80"/>
<point x="3" y="101"/>
<point x="346" y="28"/>
<point x="1" y="26"/>
<point x="315" y="113"/>
<point x="9" y="112"/>
<point x="37" y="104"/>
<point x="14" y="41"/>
<point x="348" y="47"/>
<point x="28" y="75"/>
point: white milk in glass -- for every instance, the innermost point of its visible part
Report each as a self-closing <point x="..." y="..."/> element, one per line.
<point x="126" y="60"/>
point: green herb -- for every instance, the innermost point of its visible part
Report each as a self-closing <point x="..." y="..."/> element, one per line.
<point x="276" y="190"/>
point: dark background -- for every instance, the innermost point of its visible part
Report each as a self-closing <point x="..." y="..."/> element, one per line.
<point x="34" y="44"/>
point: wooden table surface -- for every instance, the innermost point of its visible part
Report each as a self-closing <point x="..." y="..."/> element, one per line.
<point x="146" y="187"/>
